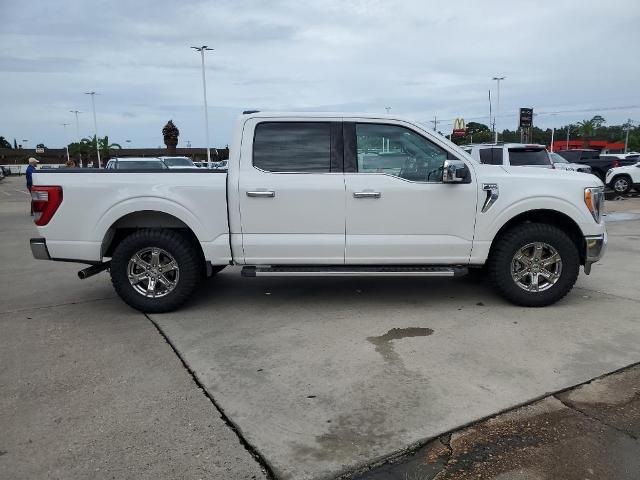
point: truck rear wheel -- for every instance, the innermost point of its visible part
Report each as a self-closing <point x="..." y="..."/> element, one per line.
<point x="155" y="271"/>
<point x="534" y="264"/>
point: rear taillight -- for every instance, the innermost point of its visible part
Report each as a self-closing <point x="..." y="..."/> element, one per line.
<point x="45" y="201"/>
<point x="615" y="163"/>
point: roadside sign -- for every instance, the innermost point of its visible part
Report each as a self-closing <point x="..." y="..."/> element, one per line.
<point x="526" y="117"/>
<point x="39" y="150"/>
<point x="459" y="128"/>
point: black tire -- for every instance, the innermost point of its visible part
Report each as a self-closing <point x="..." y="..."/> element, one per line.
<point x="621" y="184"/>
<point x="177" y="245"/>
<point x="504" y="251"/>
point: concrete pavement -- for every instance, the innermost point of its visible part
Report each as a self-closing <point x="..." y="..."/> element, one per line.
<point x="89" y="388"/>
<point x="320" y="376"/>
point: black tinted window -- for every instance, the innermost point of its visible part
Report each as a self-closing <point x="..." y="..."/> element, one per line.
<point x="292" y="147"/>
<point x="528" y="156"/>
<point x="491" y="156"/>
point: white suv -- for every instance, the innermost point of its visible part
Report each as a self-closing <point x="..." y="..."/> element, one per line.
<point x="514" y="154"/>
<point x="623" y="179"/>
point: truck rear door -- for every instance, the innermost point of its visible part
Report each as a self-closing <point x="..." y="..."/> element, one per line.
<point x="291" y="192"/>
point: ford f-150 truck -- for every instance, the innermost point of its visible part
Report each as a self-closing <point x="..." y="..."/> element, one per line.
<point x="324" y="195"/>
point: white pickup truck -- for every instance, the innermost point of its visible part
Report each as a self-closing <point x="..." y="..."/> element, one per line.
<point x="319" y="194"/>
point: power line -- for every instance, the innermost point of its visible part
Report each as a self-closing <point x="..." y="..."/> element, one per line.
<point x="557" y="112"/>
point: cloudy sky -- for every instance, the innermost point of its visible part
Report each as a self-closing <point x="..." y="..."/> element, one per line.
<point x="421" y="58"/>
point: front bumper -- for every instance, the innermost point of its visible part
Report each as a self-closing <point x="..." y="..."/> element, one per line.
<point x="39" y="249"/>
<point x="595" y="246"/>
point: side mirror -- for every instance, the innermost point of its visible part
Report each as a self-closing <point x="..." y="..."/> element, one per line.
<point x="455" y="171"/>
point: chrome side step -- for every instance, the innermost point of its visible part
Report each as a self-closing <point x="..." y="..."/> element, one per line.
<point x="353" y="271"/>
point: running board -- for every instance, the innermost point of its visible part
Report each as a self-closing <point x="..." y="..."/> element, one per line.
<point x="353" y="271"/>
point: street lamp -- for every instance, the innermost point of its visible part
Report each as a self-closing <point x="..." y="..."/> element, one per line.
<point x="202" y="49"/>
<point x="387" y="109"/>
<point x="66" y="143"/>
<point x="76" y="112"/>
<point x="498" y="80"/>
<point x="24" y="141"/>
<point x="95" y="123"/>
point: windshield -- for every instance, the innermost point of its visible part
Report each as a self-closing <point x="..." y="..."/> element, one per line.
<point x="529" y="156"/>
<point x="558" y="158"/>
<point x="178" y="162"/>
<point x="139" y="165"/>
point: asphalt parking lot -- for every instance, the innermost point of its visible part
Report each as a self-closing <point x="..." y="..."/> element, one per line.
<point x="296" y="379"/>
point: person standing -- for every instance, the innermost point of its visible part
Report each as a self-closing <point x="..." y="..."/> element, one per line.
<point x="29" y="174"/>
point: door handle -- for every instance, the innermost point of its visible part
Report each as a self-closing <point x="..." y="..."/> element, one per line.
<point x="262" y="194"/>
<point x="367" y="194"/>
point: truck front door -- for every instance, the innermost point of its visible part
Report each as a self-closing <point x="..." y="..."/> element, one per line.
<point x="398" y="209"/>
<point x="291" y="192"/>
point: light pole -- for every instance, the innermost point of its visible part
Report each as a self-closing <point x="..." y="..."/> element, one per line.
<point x="66" y="143"/>
<point x="498" y="80"/>
<point x="24" y="140"/>
<point x="566" y="147"/>
<point x="387" y="109"/>
<point x="95" y="124"/>
<point x="76" y="112"/>
<point x="202" y="49"/>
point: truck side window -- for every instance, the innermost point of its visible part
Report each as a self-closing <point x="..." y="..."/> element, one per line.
<point x="303" y="147"/>
<point x="398" y="151"/>
<point x="491" y="156"/>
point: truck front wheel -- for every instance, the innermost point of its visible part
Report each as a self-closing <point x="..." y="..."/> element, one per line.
<point x="155" y="270"/>
<point x="534" y="264"/>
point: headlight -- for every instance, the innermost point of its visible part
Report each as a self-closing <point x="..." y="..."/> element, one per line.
<point x="594" y="199"/>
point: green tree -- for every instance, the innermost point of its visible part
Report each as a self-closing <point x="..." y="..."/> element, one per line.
<point x="588" y="128"/>
<point x="86" y="148"/>
<point x="4" y="143"/>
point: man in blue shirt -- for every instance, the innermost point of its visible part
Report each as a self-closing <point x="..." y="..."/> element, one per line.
<point x="29" y="174"/>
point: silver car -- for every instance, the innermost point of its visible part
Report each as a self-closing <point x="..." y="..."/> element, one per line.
<point x="561" y="163"/>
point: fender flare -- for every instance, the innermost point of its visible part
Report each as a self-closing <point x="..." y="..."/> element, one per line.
<point x="145" y="203"/>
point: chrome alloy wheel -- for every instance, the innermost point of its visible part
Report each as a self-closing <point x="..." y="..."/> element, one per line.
<point x="536" y="267"/>
<point x="153" y="272"/>
<point x="621" y="185"/>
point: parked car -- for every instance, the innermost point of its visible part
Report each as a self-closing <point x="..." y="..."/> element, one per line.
<point x="510" y="154"/>
<point x="6" y="171"/>
<point x="299" y="200"/>
<point x="178" y="162"/>
<point x="561" y="163"/>
<point x="623" y="179"/>
<point x="599" y="164"/>
<point x="136" y="163"/>
<point x="222" y="165"/>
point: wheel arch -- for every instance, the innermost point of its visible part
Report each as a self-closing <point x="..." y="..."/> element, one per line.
<point x="550" y="217"/>
<point x="144" y="219"/>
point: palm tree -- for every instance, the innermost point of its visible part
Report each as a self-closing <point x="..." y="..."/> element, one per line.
<point x="170" y="133"/>
<point x="587" y="128"/>
<point x="87" y="147"/>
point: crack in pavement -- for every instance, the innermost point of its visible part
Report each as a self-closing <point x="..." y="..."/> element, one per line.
<point x="79" y="302"/>
<point x="252" y="450"/>
<point x="405" y="455"/>
<point x="591" y="417"/>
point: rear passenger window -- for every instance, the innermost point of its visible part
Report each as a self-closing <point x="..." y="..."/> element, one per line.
<point x="491" y="156"/>
<point x="303" y="147"/>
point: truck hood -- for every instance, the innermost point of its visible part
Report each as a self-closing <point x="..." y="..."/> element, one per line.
<point x="553" y="175"/>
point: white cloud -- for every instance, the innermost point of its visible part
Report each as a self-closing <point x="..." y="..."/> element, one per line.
<point x="421" y="58"/>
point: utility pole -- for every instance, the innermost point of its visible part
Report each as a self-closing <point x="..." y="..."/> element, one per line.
<point x="95" y="124"/>
<point x="498" y="80"/>
<point x="66" y="142"/>
<point x="76" y="112"/>
<point x="628" y="126"/>
<point x="435" y="123"/>
<point x="202" y="49"/>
